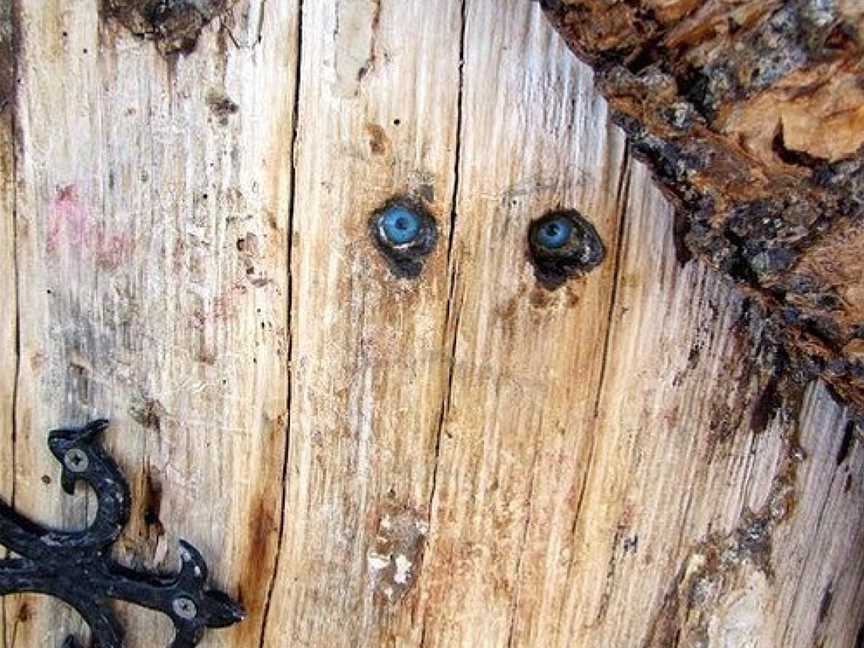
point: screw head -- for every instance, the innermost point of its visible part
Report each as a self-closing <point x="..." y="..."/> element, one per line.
<point x="184" y="607"/>
<point x="76" y="460"/>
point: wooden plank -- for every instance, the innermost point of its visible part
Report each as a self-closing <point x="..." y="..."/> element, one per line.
<point x="377" y="120"/>
<point x="751" y="115"/>
<point x="688" y="486"/>
<point x="153" y="202"/>
<point x="528" y="361"/>
<point x="8" y="294"/>
<point x="461" y="459"/>
<point x="8" y="297"/>
<point x="583" y="492"/>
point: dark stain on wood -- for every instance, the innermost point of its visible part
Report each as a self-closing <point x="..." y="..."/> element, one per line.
<point x="257" y="569"/>
<point x="222" y="106"/>
<point x="825" y="604"/>
<point x="766" y="407"/>
<point x="151" y="503"/>
<point x="174" y="25"/>
<point x="847" y="442"/>
<point x="8" y="55"/>
<point x="147" y="412"/>
<point x="377" y="139"/>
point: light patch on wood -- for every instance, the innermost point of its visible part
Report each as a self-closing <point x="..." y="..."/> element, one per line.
<point x="739" y="619"/>
<point x="395" y="557"/>
<point x="357" y="24"/>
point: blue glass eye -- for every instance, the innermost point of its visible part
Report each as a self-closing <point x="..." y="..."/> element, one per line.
<point x="399" y="225"/>
<point x="555" y="233"/>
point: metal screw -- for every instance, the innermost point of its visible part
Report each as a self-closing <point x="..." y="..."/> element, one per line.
<point x="76" y="460"/>
<point x="184" y="608"/>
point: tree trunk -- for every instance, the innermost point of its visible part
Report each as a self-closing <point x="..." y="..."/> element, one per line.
<point x="468" y="457"/>
<point x="751" y="115"/>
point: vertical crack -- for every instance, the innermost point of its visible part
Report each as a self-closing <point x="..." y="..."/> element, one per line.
<point x="11" y="106"/>
<point x="288" y="322"/>
<point x="452" y="312"/>
<point x="622" y="198"/>
<point x="460" y="97"/>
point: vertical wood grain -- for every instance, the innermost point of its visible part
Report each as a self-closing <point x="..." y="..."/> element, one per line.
<point x="8" y="294"/>
<point x="527" y="361"/>
<point x="377" y="116"/>
<point x="462" y="459"/>
<point x="152" y="212"/>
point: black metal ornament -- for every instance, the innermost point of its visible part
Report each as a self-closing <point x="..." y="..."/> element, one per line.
<point x="76" y="566"/>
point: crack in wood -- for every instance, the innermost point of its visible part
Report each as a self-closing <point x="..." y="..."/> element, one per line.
<point x="9" y="160"/>
<point x="622" y="200"/>
<point x="452" y="311"/>
<point x="298" y="78"/>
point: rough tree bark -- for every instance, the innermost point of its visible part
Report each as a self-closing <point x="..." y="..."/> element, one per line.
<point x="751" y="115"/>
<point x="461" y="459"/>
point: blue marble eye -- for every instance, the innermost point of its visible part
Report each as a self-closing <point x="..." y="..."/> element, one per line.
<point x="400" y="226"/>
<point x="562" y="244"/>
<point x="555" y="233"/>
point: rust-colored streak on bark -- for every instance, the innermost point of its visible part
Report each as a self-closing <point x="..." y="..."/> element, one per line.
<point x="751" y="116"/>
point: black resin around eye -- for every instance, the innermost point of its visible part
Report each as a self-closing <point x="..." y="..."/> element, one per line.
<point x="405" y="233"/>
<point x="562" y="244"/>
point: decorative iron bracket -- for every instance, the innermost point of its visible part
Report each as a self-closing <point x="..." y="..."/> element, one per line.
<point x="77" y="568"/>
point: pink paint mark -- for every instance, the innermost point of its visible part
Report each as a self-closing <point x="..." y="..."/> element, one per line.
<point x="70" y="227"/>
<point x="67" y="219"/>
<point x="110" y="252"/>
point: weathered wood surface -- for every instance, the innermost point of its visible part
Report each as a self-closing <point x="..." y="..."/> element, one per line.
<point x="8" y="297"/>
<point x="464" y="459"/>
<point x="152" y="211"/>
<point x="369" y="352"/>
<point x="751" y="114"/>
